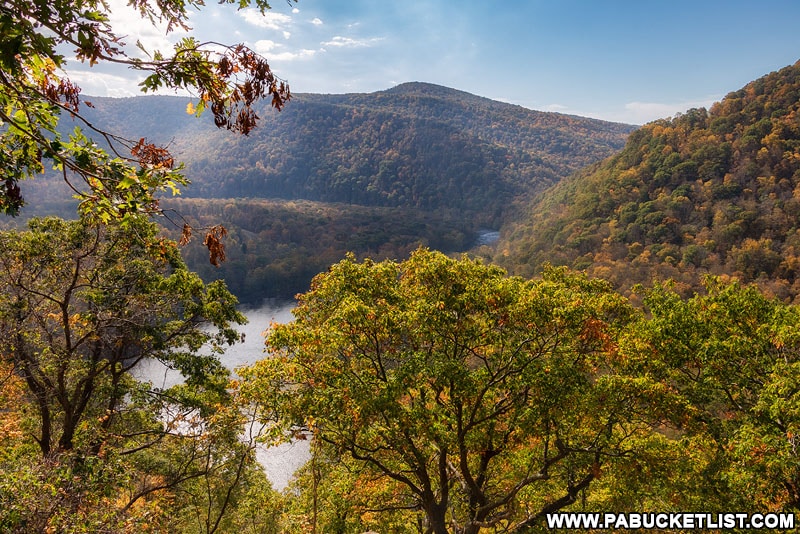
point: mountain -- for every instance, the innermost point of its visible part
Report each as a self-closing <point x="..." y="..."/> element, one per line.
<point x="377" y="174"/>
<point x="708" y="192"/>
<point x="416" y="145"/>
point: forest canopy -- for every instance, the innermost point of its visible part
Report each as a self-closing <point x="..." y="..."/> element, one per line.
<point x="86" y="445"/>
<point x="444" y="396"/>
<point x="707" y="192"/>
<point x="438" y="394"/>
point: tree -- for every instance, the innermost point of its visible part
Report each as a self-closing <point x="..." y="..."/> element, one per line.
<point x="485" y="401"/>
<point x="335" y="494"/>
<point x="82" y="305"/>
<point x="731" y="359"/>
<point x="126" y="177"/>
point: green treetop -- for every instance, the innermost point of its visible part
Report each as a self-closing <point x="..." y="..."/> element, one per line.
<point x="82" y="307"/>
<point x="476" y="399"/>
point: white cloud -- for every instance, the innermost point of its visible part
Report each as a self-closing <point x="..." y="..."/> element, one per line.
<point x="268" y="20"/>
<point x="293" y="56"/>
<point x="349" y="42"/>
<point x="130" y="24"/>
<point x="94" y="83"/>
<point x="295" y="11"/>
<point x="316" y="21"/>
<point x="643" y="112"/>
<point x="265" y="45"/>
<point x="273" y="51"/>
<point x="630" y="113"/>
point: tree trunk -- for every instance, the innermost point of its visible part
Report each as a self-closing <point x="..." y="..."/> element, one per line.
<point x="44" y="439"/>
<point x="437" y="523"/>
<point x="65" y="442"/>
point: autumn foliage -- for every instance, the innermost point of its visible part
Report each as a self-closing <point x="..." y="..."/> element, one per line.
<point x="708" y="192"/>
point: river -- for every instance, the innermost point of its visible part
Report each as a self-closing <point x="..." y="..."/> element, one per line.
<point x="487" y="237"/>
<point x="279" y="462"/>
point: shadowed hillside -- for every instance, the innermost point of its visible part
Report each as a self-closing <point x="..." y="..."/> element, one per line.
<point x="417" y="145"/>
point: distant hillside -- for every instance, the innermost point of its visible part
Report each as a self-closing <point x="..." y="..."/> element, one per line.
<point x="707" y="192"/>
<point x="377" y="174"/>
<point x="274" y="248"/>
<point x="417" y="145"/>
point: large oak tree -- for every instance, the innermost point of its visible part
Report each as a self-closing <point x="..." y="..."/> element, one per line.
<point x="485" y="400"/>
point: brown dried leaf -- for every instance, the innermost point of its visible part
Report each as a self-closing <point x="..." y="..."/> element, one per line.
<point x="216" y="249"/>
<point x="150" y="154"/>
<point x="186" y="235"/>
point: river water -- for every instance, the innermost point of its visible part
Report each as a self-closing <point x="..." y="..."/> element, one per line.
<point x="487" y="237"/>
<point x="279" y="462"/>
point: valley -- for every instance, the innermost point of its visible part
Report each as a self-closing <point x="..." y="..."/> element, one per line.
<point x="398" y="307"/>
<point x="376" y="174"/>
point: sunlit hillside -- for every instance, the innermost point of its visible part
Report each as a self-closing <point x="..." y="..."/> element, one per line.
<point x="710" y="191"/>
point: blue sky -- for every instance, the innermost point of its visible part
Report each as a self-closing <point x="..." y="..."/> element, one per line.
<point x="619" y="60"/>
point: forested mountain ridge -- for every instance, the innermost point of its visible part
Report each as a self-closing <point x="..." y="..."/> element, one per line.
<point x="432" y="394"/>
<point x="714" y="191"/>
<point x="378" y="174"/>
<point x="417" y="145"/>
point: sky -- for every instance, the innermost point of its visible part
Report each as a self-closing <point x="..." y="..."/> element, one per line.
<point x="617" y="60"/>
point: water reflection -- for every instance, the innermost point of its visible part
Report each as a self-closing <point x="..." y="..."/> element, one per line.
<point x="487" y="237"/>
<point x="279" y="462"/>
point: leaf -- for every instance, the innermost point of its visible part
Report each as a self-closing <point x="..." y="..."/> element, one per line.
<point x="127" y="182"/>
<point x="216" y="249"/>
<point x="186" y="235"/>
